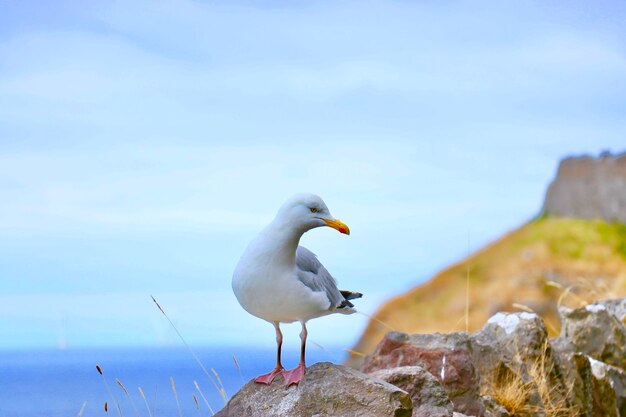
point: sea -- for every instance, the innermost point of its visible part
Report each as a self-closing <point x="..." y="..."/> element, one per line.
<point x="62" y="383"/>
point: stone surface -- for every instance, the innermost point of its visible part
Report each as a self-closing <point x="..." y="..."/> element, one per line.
<point x="515" y="345"/>
<point x="429" y="398"/>
<point x="326" y="390"/>
<point x="596" y="331"/>
<point x="514" y="337"/>
<point x="604" y="396"/>
<point x="446" y="356"/>
<point x="616" y="307"/>
<point x="452" y="375"/>
<point x="610" y="378"/>
<point x="576" y="375"/>
<point x="589" y="188"/>
<point x="493" y="408"/>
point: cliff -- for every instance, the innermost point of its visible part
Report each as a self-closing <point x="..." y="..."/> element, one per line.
<point x="553" y="260"/>
<point x="589" y="188"/>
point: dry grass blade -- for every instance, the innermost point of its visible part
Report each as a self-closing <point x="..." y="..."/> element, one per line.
<point x="238" y="369"/>
<point x="554" y="400"/>
<point x="554" y="284"/>
<point x="203" y="397"/>
<point x="355" y="353"/>
<point x="509" y="390"/>
<point x="180" y="412"/>
<point x="467" y="299"/>
<point x="221" y="389"/>
<point x="190" y="349"/>
<point x="145" y="400"/>
<point x="82" y="409"/>
<point x="527" y="309"/>
<point x="132" y="402"/>
<point x="467" y="286"/>
<point x="195" y="400"/>
<point x="122" y="386"/>
<point x="377" y="320"/>
<point x="569" y="291"/>
<point x="522" y="307"/>
<point x="106" y="385"/>
<point x="328" y="352"/>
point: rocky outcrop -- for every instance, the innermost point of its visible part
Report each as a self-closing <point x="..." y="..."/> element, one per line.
<point x="508" y="368"/>
<point x="589" y="188"/>
<point x="429" y="398"/>
<point x="512" y="368"/>
<point x="596" y="331"/>
<point x="326" y="390"/>
<point x="446" y="356"/>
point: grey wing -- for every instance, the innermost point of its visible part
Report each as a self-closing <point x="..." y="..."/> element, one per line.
<point x="312" y="273"/>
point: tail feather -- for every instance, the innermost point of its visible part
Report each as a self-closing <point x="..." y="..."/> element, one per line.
<point x="350" y="295"/>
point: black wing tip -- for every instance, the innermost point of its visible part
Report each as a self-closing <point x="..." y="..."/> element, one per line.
<point x="345" y="304"/>
<point x="350" y="295"/>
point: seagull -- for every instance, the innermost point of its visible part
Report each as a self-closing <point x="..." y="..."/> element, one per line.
<point x="280" y="282"/>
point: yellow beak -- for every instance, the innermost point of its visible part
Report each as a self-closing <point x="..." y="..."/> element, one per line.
<point x="338" y="224"/>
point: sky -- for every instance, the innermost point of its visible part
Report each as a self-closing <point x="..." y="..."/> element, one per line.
<point x="144" y="143"/>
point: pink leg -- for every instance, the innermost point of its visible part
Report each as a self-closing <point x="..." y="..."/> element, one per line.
<point x="269" y="377"/>
<point x="293" y="376"/>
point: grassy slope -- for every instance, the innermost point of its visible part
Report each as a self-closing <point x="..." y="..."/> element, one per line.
<point x="547" y="261"/>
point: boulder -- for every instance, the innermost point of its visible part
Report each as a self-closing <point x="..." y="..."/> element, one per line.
<point x="610" y="384"/>
<point x="429" y="399"/>
<point x="326" y="390"/>
<point x="511" y="338"/>
<point x="597" y="331"/>
<point x="446" y="356"/>
<point x="513" y="349"/>
<point x="617" y="307"/>
<point x="577" y="375"/>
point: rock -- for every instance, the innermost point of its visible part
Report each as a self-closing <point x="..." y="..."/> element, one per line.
<point x="446" y="356"/>
<point x="513" y="349"/>
<point x="326" y="390"/>
<point x="616" y="307"/>
<point x="596" y="331"/>
<point x="509" y="337"/>
<point x="576" y="374"/>
<point x="429" y="399"/>
<point x="589" y="188"/>
<point x="610" y="386"/>
<point x="511" y="363"/>
<point x="493" y="408"/>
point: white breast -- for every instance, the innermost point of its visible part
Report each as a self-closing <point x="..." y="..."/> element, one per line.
<point x="270" y="289"/>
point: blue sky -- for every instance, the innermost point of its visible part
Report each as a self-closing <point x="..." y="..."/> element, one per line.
<point x="144" y="143"/>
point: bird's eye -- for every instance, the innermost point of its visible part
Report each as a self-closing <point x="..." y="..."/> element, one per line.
<point x="313" y="210"/>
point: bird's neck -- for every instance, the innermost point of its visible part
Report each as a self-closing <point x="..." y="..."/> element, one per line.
<point x="285" y="240"/>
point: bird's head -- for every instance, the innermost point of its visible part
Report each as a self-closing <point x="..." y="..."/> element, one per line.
<point x="308" y="211"/>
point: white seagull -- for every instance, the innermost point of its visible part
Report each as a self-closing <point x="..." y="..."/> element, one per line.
<point x="281" y="282"/>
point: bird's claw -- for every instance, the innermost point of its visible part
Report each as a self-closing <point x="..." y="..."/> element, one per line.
<point x="269" y="377"/>
<point x="293" y="376"/>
